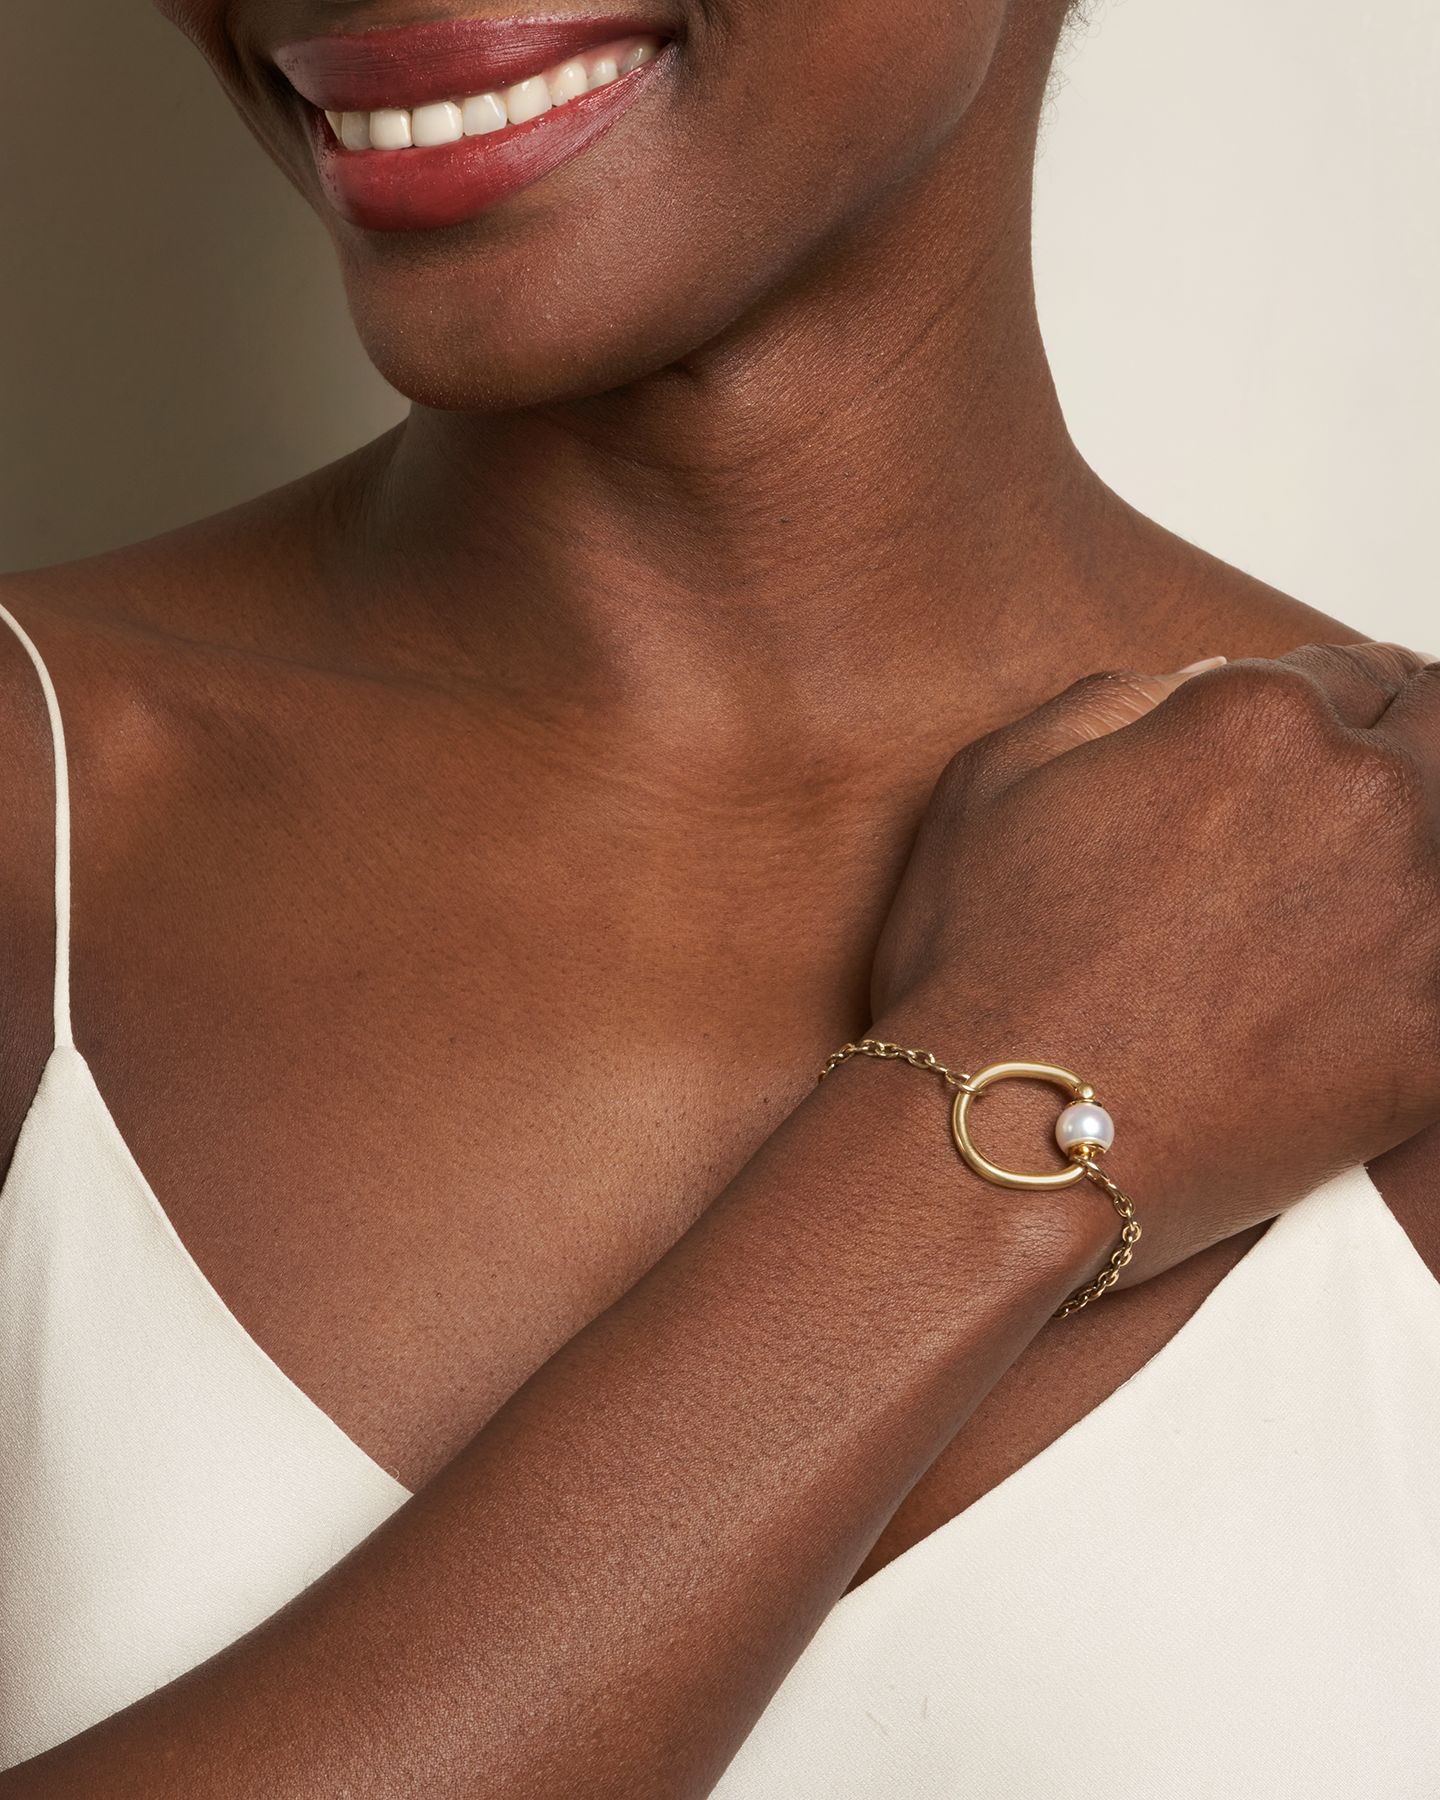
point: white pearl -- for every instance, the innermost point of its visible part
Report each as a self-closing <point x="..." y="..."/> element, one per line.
<point x="1084" y="1123"/>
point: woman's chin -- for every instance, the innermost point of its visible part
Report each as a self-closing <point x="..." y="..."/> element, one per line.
<point x="461" y="329"/>
<point x="498" y="356"/>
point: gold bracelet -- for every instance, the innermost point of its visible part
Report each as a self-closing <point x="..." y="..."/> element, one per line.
<point x="1084" y="1131"/>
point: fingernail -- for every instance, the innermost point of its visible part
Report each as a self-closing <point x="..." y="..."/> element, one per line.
<point x="1199" y="668"/>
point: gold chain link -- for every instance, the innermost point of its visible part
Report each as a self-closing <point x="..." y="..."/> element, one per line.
<point x="917" y="1059"/>
<point x="1129" y="1238"/>
<point x="960" y="1082"/>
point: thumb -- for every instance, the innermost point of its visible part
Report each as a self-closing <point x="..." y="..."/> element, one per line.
<point x="1090" y="708"/>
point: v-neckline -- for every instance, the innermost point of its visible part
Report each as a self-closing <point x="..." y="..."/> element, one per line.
<point x="270" y="1371"/>
<point x="899" y="1568"/>
<point x="267" y="1368"/>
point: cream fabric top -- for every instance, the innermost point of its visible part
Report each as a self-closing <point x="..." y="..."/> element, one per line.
<point x="1224" y="1582"/>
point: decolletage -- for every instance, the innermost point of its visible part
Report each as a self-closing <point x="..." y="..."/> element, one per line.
<point x="1223" y="1582"/>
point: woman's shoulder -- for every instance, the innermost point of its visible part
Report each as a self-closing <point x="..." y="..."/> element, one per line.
<point x="228" y="579"/>
<point x="1178" y="592"/>
<point x="110" y="636"/>
<point x="129" y="640"/>
<point x="211" y="579"/>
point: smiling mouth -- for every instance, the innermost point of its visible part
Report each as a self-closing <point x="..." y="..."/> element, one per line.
<point x="394" y="128"/>
<point x="426" y="126"/>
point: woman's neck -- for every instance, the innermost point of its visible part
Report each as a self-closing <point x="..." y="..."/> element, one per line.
<point x="854" y="493"/>
<point x="855" y="504"/>
<point x="839" y="505"/>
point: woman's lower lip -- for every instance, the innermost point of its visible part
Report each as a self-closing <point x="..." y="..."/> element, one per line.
<point x="421" y="190"/>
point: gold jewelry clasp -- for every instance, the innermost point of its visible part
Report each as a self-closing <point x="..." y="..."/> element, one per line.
<point x="976" y="1085"/>
<point x="1087" y="1141"/>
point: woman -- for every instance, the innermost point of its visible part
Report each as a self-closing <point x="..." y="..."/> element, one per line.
<point x="480" y="846"/>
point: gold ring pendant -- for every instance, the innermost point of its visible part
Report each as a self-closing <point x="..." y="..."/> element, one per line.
<point x="1077" y="1089"/>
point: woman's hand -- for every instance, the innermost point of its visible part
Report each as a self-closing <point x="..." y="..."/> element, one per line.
<point x="1227" y="916"/>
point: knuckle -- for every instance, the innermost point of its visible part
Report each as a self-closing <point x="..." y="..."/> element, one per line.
<point x="1252" y="699"/>
<point x="1377" y="811"/>
<point x="1385" y="779"/>
<point x="1390" y="664"/>
<point x="1284" y="692"/>
<point x="1424" y="684"/>
<point x="1381" y="661"/>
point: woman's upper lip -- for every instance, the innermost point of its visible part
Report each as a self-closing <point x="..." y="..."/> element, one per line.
<point x="411" y="65"/>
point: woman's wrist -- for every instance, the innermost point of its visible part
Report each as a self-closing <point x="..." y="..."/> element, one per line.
<point x="889" y="1125"/>
<point x="1012" y="1123"/>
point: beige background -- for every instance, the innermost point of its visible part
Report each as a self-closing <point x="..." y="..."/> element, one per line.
<point x="1238" y="255"/>
<point x="1238" y="244"/>
<point x="173" y="337"/>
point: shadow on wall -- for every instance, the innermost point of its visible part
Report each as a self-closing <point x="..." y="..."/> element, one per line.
<point x="174" y="332"/>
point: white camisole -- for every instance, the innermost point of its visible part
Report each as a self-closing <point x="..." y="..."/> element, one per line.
<point x="1222" y="1583"/>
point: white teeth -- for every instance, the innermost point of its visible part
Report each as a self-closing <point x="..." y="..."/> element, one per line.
<point x="390" y="129"/>
<point x="527" y="100"/>
<point x="441" y="123"/>
<point x="482" y="113"/>
<point x="568" y="82"/>
<point x="355" y="131"/>
<point x="447" y="121"/>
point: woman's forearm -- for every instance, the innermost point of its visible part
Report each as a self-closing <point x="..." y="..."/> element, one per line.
<point x="600" y="1594"/>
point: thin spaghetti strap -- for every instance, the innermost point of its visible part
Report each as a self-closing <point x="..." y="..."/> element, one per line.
<point x="64" y="1039"/>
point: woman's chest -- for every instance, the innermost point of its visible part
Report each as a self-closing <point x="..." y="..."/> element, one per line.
<point x="411" y="1192"/>
<point x="423" y="1094"/>
<point x="424" y="1086"/>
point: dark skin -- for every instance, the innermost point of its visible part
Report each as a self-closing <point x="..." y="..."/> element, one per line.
<point x="527" y="795"/>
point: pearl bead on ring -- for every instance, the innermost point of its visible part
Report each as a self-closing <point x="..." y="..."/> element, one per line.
<point x="1083" y="1131"/>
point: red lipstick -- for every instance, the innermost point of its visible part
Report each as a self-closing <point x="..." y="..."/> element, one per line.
<point x="414" y="64"/>
<point x="422" y="189"/>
